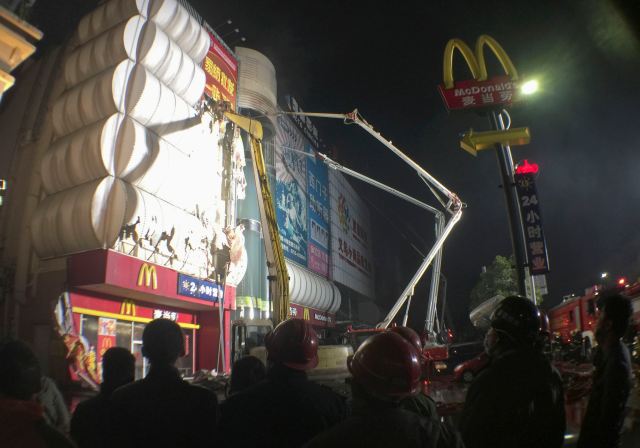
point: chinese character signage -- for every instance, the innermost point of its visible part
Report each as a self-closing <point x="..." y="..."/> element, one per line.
<point x="221" y="71"/>
<point x="351" y="253"/>
<point x="303" y="122"/>
<point x="291" y="190"/>
<point x="533" y="233"/>
<point x="200" y="289"/>
<point x="165" y="314"/>
<point x="318" y="195"/>
<point x="498" y="91"/>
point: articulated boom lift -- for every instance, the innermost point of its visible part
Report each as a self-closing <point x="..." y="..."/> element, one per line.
<point x="278" y="276"/>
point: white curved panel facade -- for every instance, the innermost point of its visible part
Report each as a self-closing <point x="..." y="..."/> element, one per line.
<point x="257" y="85"/>
<point x="86" y="216"/>
<point x="83" y="156"/>
<point x="168" y="14"/>
<point x="311" y="290"/>
<point x="92" y="100"/>
<point x="172" y="235"/>
<point x="133" y="166"/>
<point x="106" y="50"/>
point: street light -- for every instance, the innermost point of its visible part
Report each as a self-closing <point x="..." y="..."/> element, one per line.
<point x="529" y="87"/>
<point x="604" y="275"/>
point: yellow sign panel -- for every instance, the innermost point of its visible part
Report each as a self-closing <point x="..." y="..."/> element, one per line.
<point x="148" y="275"/>
<point x="475" y="62"/>
<point x="305" y="314"/>
<point x="472" y="142"/>
<point x="128" y="308"/>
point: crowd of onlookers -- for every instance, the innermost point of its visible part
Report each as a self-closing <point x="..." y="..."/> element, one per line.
<point x="517" y="401"/>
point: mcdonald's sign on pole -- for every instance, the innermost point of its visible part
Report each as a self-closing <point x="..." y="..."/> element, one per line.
<point x="481" y="91"/>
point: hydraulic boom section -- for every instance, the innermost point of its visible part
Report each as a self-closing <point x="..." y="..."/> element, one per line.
<point x="453" y="206"/>
<point x="278" y="275"/>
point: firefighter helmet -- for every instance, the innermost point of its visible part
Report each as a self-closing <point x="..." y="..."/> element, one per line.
<point x="518" y="318"/>
<point x="293" y="343"/>
<point x="387" y="365"/>
<point x="410" y="335"/>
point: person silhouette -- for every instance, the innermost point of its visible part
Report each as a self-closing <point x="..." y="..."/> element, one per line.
<point x="162" y="409"/>
<point x="89" y="426"/>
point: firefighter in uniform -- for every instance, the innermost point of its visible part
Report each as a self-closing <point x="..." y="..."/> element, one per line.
<point x="386" y="370"/>
<point x="517" y="401"/>
<point x="286" y="409"/>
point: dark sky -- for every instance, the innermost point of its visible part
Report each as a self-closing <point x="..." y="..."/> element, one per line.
<point x="386" y="60"/>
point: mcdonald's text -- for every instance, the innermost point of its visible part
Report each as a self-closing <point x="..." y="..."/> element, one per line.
<point x="472" y="94"/>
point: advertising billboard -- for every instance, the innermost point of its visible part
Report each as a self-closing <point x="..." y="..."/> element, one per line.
<point x="221" y="72"/>
<point x="351" y="250"/>
<point x="302" y="199"/>
<point x="291" y="191"/>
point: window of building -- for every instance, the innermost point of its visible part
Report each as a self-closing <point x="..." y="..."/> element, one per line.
<point x="129" y="335"/>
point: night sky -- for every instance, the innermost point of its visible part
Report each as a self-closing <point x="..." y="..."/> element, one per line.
<point x="386" y="60"/>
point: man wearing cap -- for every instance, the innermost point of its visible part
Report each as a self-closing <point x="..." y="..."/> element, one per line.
<point x="386" y="370"/>
<point x="286" y="409"/>
<point x="517" y="401"/>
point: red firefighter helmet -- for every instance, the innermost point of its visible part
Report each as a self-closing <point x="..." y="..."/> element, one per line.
<point x="410" y="335"/>
<point x="293" y="343"/>
<point x="387" y="365"/>
<point x="413" y="338"/>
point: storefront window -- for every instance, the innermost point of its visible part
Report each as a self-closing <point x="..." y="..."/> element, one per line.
<point x="129" y="335"/>
<point x="89" y="326"/>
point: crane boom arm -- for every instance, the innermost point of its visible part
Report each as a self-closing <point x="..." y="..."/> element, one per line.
<point x="278" y="274"/>
<point x="454" y="207"/>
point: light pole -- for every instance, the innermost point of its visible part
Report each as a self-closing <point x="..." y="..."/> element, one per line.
<point x="516" y="224"/>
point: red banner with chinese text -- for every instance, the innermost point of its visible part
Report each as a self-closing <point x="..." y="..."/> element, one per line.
<point x="221" y="71"/>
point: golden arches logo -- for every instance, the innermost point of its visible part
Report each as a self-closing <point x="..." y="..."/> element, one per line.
<point x="105" y="345"/>
<point x="305" y="314"/>
<point x="128" y="308"/>
<point x="148" y="275"/>
<point x="475" y="62"/>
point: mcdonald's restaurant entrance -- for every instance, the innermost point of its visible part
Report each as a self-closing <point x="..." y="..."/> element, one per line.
<point x="112" y="296"/>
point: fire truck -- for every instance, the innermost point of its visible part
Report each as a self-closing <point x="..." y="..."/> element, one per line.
<point x="577" y="316"/>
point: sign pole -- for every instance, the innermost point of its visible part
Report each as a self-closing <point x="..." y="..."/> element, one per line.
<point x="516" y="226"/>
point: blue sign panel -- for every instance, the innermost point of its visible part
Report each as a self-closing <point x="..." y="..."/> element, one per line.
<point x="532" y="220"/>
<point x="318" y="194"/>
<point x="198" y="288"/>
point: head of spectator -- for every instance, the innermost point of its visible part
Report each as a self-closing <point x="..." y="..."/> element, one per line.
<point x="118" y="369"/>
<point x="162" y="342"/>
<point x="245" y="373"/>
<point x="19" y="371"/>
<point x="544" y="333"/>
<point x="615" y="315"/>
<point x="515" y="324"/>
<point x="386" y="368"/>
<point x="293" y="344"/>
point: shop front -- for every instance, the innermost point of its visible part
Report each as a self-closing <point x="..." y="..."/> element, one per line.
<point x="112" y="297"/>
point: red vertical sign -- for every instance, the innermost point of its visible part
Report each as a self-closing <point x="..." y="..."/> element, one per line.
<point x="106" y="336"/>
<point x="221" y="70"/>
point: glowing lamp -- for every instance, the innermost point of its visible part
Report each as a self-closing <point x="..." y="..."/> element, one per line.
<point x="622" y="281"/>
<point x="526" y="168"/>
